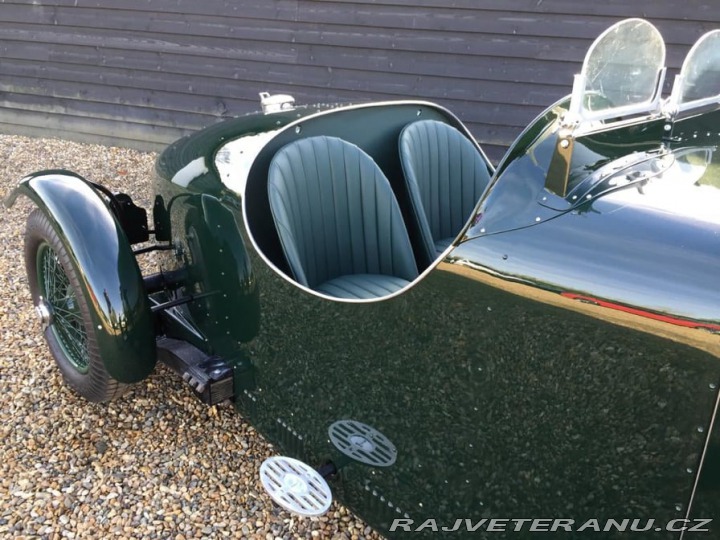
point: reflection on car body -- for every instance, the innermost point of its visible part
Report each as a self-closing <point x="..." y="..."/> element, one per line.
<point x="430" y="336"/>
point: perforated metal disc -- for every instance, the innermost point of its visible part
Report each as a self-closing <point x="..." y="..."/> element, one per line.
<point x="295" y="486"/>
<point x="362" y="443"/>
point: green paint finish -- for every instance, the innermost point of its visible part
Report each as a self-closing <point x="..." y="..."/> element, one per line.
<point x="502" y="396"/>
<point x="111" y="280"/>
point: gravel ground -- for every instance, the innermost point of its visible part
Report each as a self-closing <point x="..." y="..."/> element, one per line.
<point x="157" y="463"/>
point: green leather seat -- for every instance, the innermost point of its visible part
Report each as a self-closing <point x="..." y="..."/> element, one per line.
<point x="445" y="176"/>
<point x="339" y="223"/>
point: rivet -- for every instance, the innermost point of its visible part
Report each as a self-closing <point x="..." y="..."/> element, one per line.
<point x="668" y="127"/>
<point x="701" y="429"/>
<point x="482" y="230"/>
<point x="689" y="470"/>
<point x="544" y="198"/>
<point x="679" y="507"/>
<point x="537" y="219"/>
<point x="298" y="129"/>
<point x="99" y="327"/>
<point x="419" y="112"/>
<point x="713" y="386"/>
<point x="564" y="143"/>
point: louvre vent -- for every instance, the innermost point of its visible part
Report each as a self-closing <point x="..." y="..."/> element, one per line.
<point x="295" y="486"/>
<point x="362" y="443"/>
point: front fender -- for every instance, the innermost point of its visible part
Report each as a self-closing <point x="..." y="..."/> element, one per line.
<point x="101" y="254"/>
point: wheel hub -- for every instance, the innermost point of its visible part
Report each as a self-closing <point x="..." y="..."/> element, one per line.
<point x="44" y="312"/>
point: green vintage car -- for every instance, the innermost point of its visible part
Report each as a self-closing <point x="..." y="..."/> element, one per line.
<point x="442" y="345"/>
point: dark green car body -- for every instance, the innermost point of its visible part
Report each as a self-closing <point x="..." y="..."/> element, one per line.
<point x="560" y="360"/>
<point x="536" y="370"/>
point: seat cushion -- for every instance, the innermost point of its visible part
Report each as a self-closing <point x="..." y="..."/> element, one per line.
<point x="362" y="286"/>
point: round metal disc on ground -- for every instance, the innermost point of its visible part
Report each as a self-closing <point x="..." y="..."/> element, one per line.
<point x="295" y="486"/>
<point x="362" y="443"/>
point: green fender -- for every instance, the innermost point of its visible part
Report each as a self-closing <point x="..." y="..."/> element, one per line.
<point x="102" y="257"/>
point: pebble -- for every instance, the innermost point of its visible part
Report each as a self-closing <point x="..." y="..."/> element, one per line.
<point x="135" y="468"/>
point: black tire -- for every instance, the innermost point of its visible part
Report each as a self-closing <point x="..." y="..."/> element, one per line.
<point x="70" y="333"/>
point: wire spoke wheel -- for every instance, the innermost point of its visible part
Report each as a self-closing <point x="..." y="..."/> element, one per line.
<point x="58" y="292"/>
<point x="67" y="323"/>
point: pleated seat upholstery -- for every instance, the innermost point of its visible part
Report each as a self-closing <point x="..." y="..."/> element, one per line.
<point x="445" y="176"/>
<point x="339" y="223"/>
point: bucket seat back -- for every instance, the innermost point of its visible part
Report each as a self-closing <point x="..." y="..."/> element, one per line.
<point x="339" y="223"/>
<point x="445" y="176"/>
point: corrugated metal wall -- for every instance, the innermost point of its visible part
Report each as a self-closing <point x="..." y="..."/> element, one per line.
<point x="141" y="73"/>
